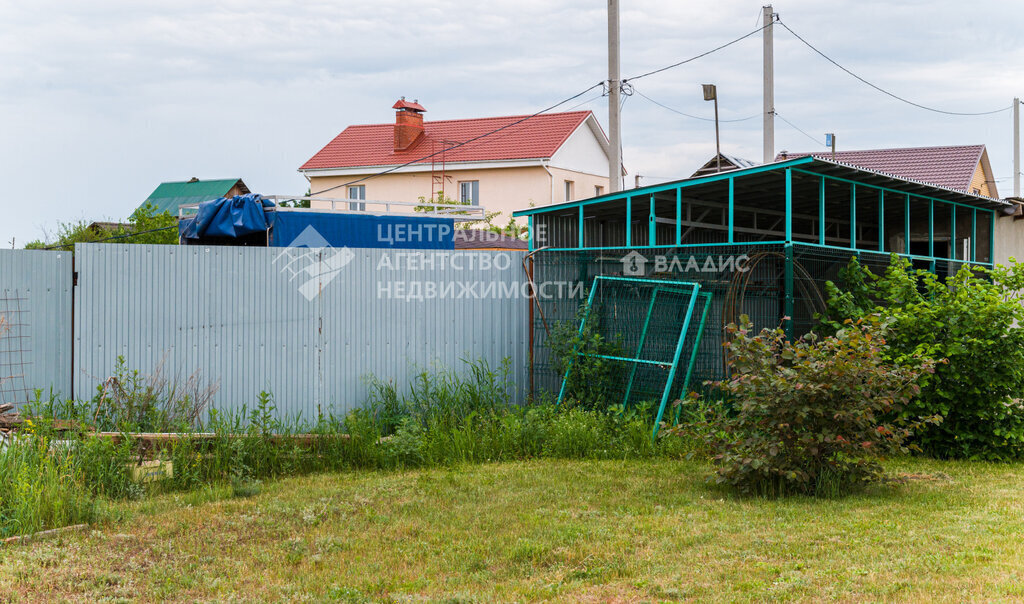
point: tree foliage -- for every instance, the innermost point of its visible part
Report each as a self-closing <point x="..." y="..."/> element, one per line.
<point x="592" y="380"/>
<point x="974" y="322"/>
<point x="809" y="416"/>
<point x="512" y="229"/>
<point x="145" y="225"/>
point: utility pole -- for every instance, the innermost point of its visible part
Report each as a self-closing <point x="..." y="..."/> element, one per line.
<point x="1016" y="147"/>
<point x="769" y="85"/>
<point x="614" y="88"/>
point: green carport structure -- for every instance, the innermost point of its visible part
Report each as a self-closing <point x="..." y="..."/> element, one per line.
<point x="760" y="241"/>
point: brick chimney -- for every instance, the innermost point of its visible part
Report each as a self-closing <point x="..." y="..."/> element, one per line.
<point x="408" y="123"/>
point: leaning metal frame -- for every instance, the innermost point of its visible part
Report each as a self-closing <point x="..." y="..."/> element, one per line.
<point x="635" y="360"/>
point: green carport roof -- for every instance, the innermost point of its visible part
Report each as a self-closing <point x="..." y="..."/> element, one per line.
<point x="170" y="196"/>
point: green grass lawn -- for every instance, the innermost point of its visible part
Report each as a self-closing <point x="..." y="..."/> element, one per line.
<point x="546" y="530"/>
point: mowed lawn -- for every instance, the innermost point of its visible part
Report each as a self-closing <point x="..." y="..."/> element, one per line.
<point x="546" y="530"/>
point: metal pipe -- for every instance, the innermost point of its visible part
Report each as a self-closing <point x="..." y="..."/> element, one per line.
<point x="1016" y="147"/>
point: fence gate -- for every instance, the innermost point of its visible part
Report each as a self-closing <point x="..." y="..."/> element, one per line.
<point x="650" y="323"/>
<point x="35" y="335"/>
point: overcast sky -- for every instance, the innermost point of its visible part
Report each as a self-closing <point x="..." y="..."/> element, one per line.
<point x="101" y="101"/>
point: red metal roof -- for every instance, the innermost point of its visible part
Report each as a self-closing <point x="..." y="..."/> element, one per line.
<point x="373" y="145"/>
<point x="952" y="167"/>
<point x="404" y="104"/>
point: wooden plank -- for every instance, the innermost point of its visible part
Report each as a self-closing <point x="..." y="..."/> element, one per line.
<point x="41" y="534"/>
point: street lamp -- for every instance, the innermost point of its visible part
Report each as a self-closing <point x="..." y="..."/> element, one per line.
<point x="711" y="94"/>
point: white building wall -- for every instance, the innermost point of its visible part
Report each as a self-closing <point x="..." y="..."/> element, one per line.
<point x="582" y="152"/>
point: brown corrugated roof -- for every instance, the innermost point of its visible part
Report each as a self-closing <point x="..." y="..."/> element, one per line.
<point x="478" y="239"/>
<point x="952" y="166"/>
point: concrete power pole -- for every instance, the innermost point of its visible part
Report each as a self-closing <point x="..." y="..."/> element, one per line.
<point x="614" y="128"/>
<point x="769" y="85"/>
<point x="1016" y="147"/>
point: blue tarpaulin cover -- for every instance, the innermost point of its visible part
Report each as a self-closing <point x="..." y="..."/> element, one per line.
<point x="229" y="217"/>
<point x="224" y="219"/>
<point x="310" y="228"/>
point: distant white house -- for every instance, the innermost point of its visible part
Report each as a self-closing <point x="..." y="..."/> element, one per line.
<point x="549" y="158"/>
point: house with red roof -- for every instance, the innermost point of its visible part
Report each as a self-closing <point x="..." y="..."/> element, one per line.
<point x="500" y="163"/>
<point x="961" y="167"/>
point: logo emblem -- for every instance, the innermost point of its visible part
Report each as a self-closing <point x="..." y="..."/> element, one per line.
<point x="312" y="260"/>
<point x="634" y="264"/>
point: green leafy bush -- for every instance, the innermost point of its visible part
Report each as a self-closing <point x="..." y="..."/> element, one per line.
<point x="593" y="382"/>
<point x="809" y="416"/>
<point x="974" y="322"/>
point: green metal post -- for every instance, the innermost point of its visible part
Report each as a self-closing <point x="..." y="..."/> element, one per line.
<point x="693" y="353"/>
<point x="881" y="221"/>
<point x="906" y="226"/>
<point x="640" y="346"/>
<point x="679" y="216"/>
<point x="931" y="231"/>
<point x="974" y="235"/>
<point x="952" y="233"/>
<point x="853" y="216"/>
<point x="652" y="225"/>
<point x="580" y="239"/>
<point x="586" y="313"/>
<point x="629" y="222"/>
<point x="529" y="233"/>
<point x="789" y="205"/>
<point x="732" y="210"/>
<point x="992" y="237"/>
<point x="675" y="360"/>
<point x="789" y="302"/>
<point x="821" y="212"/>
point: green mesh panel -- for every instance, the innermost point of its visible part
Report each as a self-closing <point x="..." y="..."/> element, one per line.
<point x="759" y="291"/>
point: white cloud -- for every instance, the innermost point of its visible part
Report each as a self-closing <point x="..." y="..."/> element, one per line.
<point x="101" y="101"/>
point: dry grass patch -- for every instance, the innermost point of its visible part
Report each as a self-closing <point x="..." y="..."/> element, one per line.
<point x="547" y="530"/>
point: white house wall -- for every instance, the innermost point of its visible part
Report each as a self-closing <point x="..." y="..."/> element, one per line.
<point x="1009" y="239"/>
<point x="582" y="152"/>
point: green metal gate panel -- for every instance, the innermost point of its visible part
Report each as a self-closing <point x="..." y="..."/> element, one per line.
<point x="651" y="322"/>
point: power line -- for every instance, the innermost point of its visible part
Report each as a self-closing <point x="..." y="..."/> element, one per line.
<point x="879" y="88"/>
<point x="696" y="117"/>
<point x="694" y="58"/>
<point x="124" y="236"/>
<point x="588" y="101"/>
<point x="798" y="129"/>
<point x="462" y="144"/>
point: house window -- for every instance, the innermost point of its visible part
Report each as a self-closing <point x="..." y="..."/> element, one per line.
<point x="569" y="186"/>
<point x="598" y="190"/>
<point x="357" y="192"/>
<point x="469" y="192"/>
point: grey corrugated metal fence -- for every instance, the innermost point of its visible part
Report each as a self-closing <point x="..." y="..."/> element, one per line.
<point x="309" y="326"/>
<point x="35" y="302"/>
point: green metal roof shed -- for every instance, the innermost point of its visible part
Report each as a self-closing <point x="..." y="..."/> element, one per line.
<point x="170" y="196"/>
